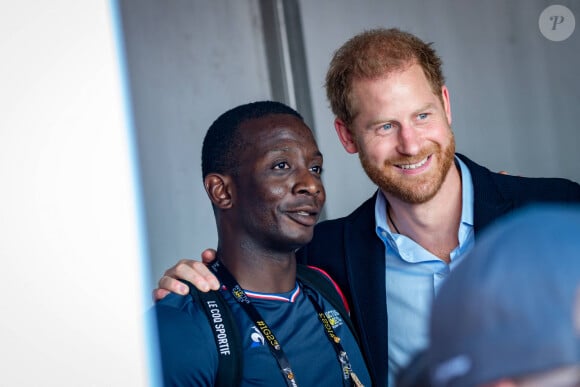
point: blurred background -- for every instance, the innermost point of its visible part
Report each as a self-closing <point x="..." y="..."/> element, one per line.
<point x="514" y="92"/>
<point x="104" y="106"/>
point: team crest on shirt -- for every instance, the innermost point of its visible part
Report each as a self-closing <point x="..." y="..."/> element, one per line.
<point x="334" y="318"/>
<point x="256" y="337"/>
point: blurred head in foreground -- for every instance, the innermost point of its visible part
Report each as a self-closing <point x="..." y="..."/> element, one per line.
<point x="509" y="315"/>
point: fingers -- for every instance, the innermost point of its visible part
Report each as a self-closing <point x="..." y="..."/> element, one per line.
<point x="200" y="276"/>
<point x="208" y="255"/>
<point x="192" y="271"/>
<point x="168" y="285"/>
<point x="159" y="294"/>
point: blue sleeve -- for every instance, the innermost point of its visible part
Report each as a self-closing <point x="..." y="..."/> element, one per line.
<point x="186" y="344"/>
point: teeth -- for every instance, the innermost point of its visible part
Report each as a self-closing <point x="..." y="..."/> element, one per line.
<point x="304" y="213"/>
<point x="414" y="166"/>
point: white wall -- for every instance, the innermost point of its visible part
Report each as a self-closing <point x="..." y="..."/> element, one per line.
<point x="72" y="303"/>
<point x="189" y="61"/>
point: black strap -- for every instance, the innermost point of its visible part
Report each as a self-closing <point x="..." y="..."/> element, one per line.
<point x="328" y="290"/>
<point x="348" y="375"/>
<point x="226" y="334"/>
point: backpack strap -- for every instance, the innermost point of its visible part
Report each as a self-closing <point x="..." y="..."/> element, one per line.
<point x="226" y="334"/>
<point x="320" y="281"/>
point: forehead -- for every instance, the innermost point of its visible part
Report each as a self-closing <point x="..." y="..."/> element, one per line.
<point x="411" y="76"/>
<point x="407" y="87"/>
<point x="274" y="130"/>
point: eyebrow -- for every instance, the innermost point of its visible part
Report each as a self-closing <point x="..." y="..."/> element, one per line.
<point x="428" y="106"/>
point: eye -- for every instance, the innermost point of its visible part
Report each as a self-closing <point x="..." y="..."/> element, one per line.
<point x="281" y="165"/>
<point x="386" y="126"/>
<point x="422" y="116"/>
<point x="317" y="169"/>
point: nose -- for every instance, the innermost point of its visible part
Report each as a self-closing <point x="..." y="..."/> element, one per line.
<point x="308" y="183"/>
<point x="408" y="140"/>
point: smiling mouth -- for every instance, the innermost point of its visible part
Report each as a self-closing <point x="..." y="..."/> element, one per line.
<point x="303" y="217"/>
<point x="413" y="166"/>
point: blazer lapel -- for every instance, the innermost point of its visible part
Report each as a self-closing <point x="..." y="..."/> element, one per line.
<point x="489" y="203"/>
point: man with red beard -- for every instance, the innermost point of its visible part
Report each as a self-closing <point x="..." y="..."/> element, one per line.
<point x="388" y="93"/>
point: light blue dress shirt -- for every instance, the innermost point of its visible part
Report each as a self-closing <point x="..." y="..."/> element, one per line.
<point x="413" y="277"/>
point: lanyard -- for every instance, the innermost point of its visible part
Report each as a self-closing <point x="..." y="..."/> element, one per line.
<point x="349" y="377"/>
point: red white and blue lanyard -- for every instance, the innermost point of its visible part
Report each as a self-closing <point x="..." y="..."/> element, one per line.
<point x="349" y="378"/>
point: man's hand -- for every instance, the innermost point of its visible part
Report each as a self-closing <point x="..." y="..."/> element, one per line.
<point x="190" y="270"/>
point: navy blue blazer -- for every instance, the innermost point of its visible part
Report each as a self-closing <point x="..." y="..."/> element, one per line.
<point x="350" y="251"/>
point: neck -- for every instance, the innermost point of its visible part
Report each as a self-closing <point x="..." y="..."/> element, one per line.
<point x="433" y="224"/>
<point x="264" y="273"/>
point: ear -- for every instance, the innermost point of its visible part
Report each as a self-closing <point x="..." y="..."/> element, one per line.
<point x="446" y="103"/>
<point x="345" y="136"/>
<point x="219" y="190"/>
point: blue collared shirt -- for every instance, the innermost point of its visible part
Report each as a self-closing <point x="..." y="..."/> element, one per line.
<point x="413" y="277"/>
